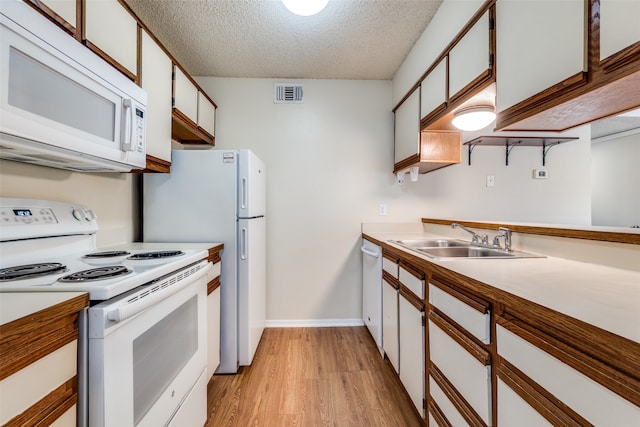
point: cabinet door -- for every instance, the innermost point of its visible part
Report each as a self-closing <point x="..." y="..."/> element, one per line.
<point x="539" y="44"/>
<point x="156" y="80"/>
<point x="433" y="90"/>
<point x="470" y="57"/>
<point x="513" y="410"/>
<point x="619" y="25"/>
<point x="64" y="9"/>
<point x="185" y="95"/>
<point x="412" y="352"/>
<point x="390" y="342"/>
<point x="407" y="128"/>
<point x="213" y="332"/>
<point x="111" y="28"/>
<point x="206" y="114"/>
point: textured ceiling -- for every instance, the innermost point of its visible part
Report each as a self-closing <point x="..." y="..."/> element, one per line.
<point x="349" y="39"/>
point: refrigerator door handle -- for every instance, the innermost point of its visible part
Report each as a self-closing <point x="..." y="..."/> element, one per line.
<point x="243" y="243"/>
<point x="244" y="192"/>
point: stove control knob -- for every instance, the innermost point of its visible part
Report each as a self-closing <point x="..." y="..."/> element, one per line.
<point x="78" y="214"/>
<point x="91" y="215"/>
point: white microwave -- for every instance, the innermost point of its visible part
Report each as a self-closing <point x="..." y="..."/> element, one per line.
<point x="60" y="104"/>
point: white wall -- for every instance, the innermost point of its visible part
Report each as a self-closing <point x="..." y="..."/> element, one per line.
<point x="111" y="195"/>
<point x="615" y="178"/>
<point x="329" y="164"/>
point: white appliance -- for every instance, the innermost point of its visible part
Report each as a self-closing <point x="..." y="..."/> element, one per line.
<point x="142" y="342"/>
<point x="60" y="104"/>
<point x="372" y="289"/>
<point x="218" y="195"/>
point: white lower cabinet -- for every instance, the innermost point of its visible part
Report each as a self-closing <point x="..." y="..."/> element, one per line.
<point x="390" y="342"/>
<point x="515" y="411"/>
<point x="595" y="403"/>
<point x="470" y="377"/>
<point x="448" y="409"/>
<point x="412" y="374"/>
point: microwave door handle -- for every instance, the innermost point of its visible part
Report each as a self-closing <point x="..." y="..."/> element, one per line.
<point x="127" y="129"/>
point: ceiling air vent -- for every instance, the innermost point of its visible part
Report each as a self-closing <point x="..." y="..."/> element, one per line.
<point x="285" y="93"/>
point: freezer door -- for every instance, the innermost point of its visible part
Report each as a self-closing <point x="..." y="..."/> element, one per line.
<point x="251" y="185"/>
<point x="251" y="286"/>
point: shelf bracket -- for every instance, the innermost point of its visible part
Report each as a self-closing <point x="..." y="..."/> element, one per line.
<point x="508" y="147"/>
<point x="546" y="148"/>
<point x="470" y="148"/>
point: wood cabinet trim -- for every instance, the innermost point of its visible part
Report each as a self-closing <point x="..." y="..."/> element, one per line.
<point x="543" y="402"/>
<point x="406" y="163"/>
<point x="474" y="86"/>
<point x="464" y="408"/>
<point x="470" y="345"/>
<point x="183" y="129"/>
<point x="626" y="386"/>
<point x="621" y="59"/>
<point x="214" y="253"/>
<point x="50" y="407"/>
<point x="51" y="15"/>
<point x="411" y="298"/>
<point x="472" y="301"/>
<point x="213" y="284"/>
<point x="437" y="414"/>
<point x="115" y="64"/>
<point x="604" y="236"/>
<point x="412" y="269"/>
<point x="390" y="280"/>
<point x="459" y="328"/>
<point x="155" y="164"/>
<point x="25" y="340"/>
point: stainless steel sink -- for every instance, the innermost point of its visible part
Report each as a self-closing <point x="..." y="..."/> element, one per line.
<point x="456" y="249"/>
<point x="431" y="243"/>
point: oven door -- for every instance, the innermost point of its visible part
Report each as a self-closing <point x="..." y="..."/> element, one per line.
<point x="147" y="351"/>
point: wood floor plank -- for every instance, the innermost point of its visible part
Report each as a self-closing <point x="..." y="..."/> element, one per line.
<point x="307" y="377"/>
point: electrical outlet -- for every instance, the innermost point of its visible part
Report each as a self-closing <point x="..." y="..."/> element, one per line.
<point x="491" y="181"/>
<point x="540" y="174"/>
<point x="382" y="209"/>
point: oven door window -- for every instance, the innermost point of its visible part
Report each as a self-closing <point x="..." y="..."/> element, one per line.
<point x="161" y="353"/>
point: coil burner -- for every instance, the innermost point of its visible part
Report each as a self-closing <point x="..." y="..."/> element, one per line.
<point x="29" y="271"/>
<point x="155" y="255"/>
<point x="94" y="274"/>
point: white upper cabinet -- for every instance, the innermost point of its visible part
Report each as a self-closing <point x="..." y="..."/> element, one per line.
<point x="155" y="78"/>
<point x="112" y="29"/>
<point x="619" y="25"/>
<point x="206" y="114"/>
<point x="539" y="44"/>
<point x="407" y="128"/>
<point x="433" y="89"/>
<point x="185" y="95"/>
<point x="470" y="57"/>
<point x="66" y="9"/>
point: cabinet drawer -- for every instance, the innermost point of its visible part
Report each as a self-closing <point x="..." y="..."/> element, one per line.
<point x="43" y="376"/>
<point x="413" y="283"/>
<point x="390" y="266"/>
<point x="68" y="419"/>
<point x="476" y="322"/>
<point x="576" y="390"/>
<point x="471" y="378"/>
<point x="450" y="412"/>
<point x="515" y="411"/>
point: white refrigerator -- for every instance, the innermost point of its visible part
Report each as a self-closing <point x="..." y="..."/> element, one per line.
<point x="218" y="196"/>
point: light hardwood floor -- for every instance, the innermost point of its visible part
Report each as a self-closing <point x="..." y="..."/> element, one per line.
<point x="312" y="377"/>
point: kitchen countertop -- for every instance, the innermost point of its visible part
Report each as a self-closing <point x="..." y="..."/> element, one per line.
<point x="16" y="305"/>
<point x="606" y="297"/>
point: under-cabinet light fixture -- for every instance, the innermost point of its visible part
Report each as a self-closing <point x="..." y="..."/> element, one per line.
<point x="474" y="118"/>
<point x="305" y="7"/>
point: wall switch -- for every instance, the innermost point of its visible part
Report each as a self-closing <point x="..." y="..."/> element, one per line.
<point x="382" y="209"/>
<point x="491" y="180"/>
<point x="540" y="174"/>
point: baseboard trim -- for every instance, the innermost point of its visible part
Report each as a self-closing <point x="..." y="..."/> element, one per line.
<point x="313" y="323"/>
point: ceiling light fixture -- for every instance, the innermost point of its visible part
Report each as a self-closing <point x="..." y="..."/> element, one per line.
<point x="305" y="7"/>
<point x="474" y="118"/>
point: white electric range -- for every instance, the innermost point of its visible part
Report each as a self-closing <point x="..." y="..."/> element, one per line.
<point x="142" y="344"/>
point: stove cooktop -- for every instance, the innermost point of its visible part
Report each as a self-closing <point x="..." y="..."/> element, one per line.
<point x="103" y="276"/>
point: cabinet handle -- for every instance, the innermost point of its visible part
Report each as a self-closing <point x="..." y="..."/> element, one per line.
<point x="370" y="253"/>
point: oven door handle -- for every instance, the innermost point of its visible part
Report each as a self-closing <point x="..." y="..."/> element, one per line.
<point x="126" y="311"/>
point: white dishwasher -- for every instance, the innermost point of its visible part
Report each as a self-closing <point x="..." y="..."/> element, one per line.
<point x="372" y="289"/>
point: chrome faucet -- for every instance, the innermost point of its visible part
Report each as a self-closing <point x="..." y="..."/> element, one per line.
<point x="506" y="233"/>
<point x="476" y="238"/>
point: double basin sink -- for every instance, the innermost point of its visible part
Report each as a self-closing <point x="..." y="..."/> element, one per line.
<point x="452" y="248"/>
